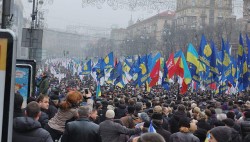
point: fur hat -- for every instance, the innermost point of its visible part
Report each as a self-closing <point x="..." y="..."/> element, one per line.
<point x="110" y="114"/>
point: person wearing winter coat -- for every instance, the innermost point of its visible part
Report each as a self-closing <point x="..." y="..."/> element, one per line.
<point x="82" y="129"/>
<point x="185" y="134"/>
<point x="174" y="121"/>
<point x="110" y="131"/>
<point x="28" y="129"/>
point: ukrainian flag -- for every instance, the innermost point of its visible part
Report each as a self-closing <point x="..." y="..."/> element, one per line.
<point x="98" y="90"/>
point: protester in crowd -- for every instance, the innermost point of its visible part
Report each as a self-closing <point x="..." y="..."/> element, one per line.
<point x="174" y="121"/>
<point x="93" y="115"/>
<point x="157" y="122"/>
<point x="47" y="110"/>
<point x="67" y="111"/>
<point x="245" y="124"/>
<point x="110" y="131"/>
<point x="28" y="129"/>
<point x="102" y="111"/>
<point x="44" y="84"/>
<point x="18" y="101"/>
<point x="82" y="129"/>
<point x="120" y="111"/>
<point x="128" y="120"/>
<point x="185" y="134"/>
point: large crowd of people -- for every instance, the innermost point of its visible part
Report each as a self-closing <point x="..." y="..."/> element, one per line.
<point x="64" y="111"/>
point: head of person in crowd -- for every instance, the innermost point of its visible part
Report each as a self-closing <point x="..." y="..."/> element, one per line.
<point x="18" y="101"/>
<point x="228" y="122"/>
<point x="43" y="101"/>
<point x="231" y="115"/>
<point x="31" y="99"/>
<point x="157" y="118"/>
<point x="247" y="115"/>
<point x="105" y="104"/>
<point x="73" y="99"/>
<point x="220" y="134"/>
<point x="149" y="137"/>
<point x="45" y="74"/>
<point x="157" y="109"/>
<point x="166" y="111"/>
<point x="187" y="125"/>
<point x="33" y="110"/>
<point x="94" y="114"/>
<point x="144" y="117"/>
<point x="130" y="110"/>
<point x="84" y="111"/>
<point x="138" y="106"/>
<point x="181" y="108"/>
<point x="54" y="99"/>
<point x="110" y="114"/>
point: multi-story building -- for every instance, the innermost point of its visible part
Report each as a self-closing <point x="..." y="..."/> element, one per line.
<point x="199" y="13"/>
<point x="117" y="37"/>
<point x="246" y="15"/>
<point x="153" y="26"/>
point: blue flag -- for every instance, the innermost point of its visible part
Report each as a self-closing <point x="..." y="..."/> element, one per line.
<point x="143" y="74"/>
<point x="86" y="68"/>
<point x="109" y="61"/>
<point x="165" y="79"/>
<point x="151" y="128"/>
<point x="205" y="51"/>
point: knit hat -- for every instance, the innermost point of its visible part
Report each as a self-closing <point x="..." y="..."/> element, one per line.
<point x="221" y="133"/>
<point x="110" y="114"/>
<point x="185" y="122"/>
<point x="157" y="116"/>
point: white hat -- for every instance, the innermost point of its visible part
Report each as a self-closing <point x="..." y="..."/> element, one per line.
<point x="110" y="114"/>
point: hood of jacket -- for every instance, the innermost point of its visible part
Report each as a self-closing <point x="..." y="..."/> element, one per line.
<point x="24" y="124"/>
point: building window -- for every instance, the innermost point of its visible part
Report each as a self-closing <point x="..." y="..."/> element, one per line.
<point x="219" y="3"/>
<point x="193" y="2"/>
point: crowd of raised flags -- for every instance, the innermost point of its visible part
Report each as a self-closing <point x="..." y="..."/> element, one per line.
<point x="207" y="68"/>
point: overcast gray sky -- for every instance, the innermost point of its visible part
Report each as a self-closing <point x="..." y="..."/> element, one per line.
<point x="70" y="12"/>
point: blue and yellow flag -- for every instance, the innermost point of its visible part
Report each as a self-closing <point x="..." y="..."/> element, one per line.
<point x="213" y="62"/>
<point x="98" y="90"/>
<point x="248" y="57"/>
<point x="99" y="69"/>
<point x="205" y="51"/>
<point x="86" y="68"/>
<point x="245" y="71"/>
<point x="143" y="73"/>
<point x="109" y="61"/>
<point x="195" y="66"/>
<point x="225" y="60"/>
<point x="240" y="49"/>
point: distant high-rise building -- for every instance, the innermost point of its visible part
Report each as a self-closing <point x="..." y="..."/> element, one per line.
<point x="246" y="15"/>
<point x="199" y="13"/>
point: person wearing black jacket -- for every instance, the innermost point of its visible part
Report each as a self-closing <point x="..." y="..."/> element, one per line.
<point x="82" y="129"/>
<point x="28" y="129"/>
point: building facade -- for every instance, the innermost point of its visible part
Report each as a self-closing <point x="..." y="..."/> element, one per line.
<point x="246" y="15"/>
<point x="199" y="13"/>
<point x="151" y="27"/>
